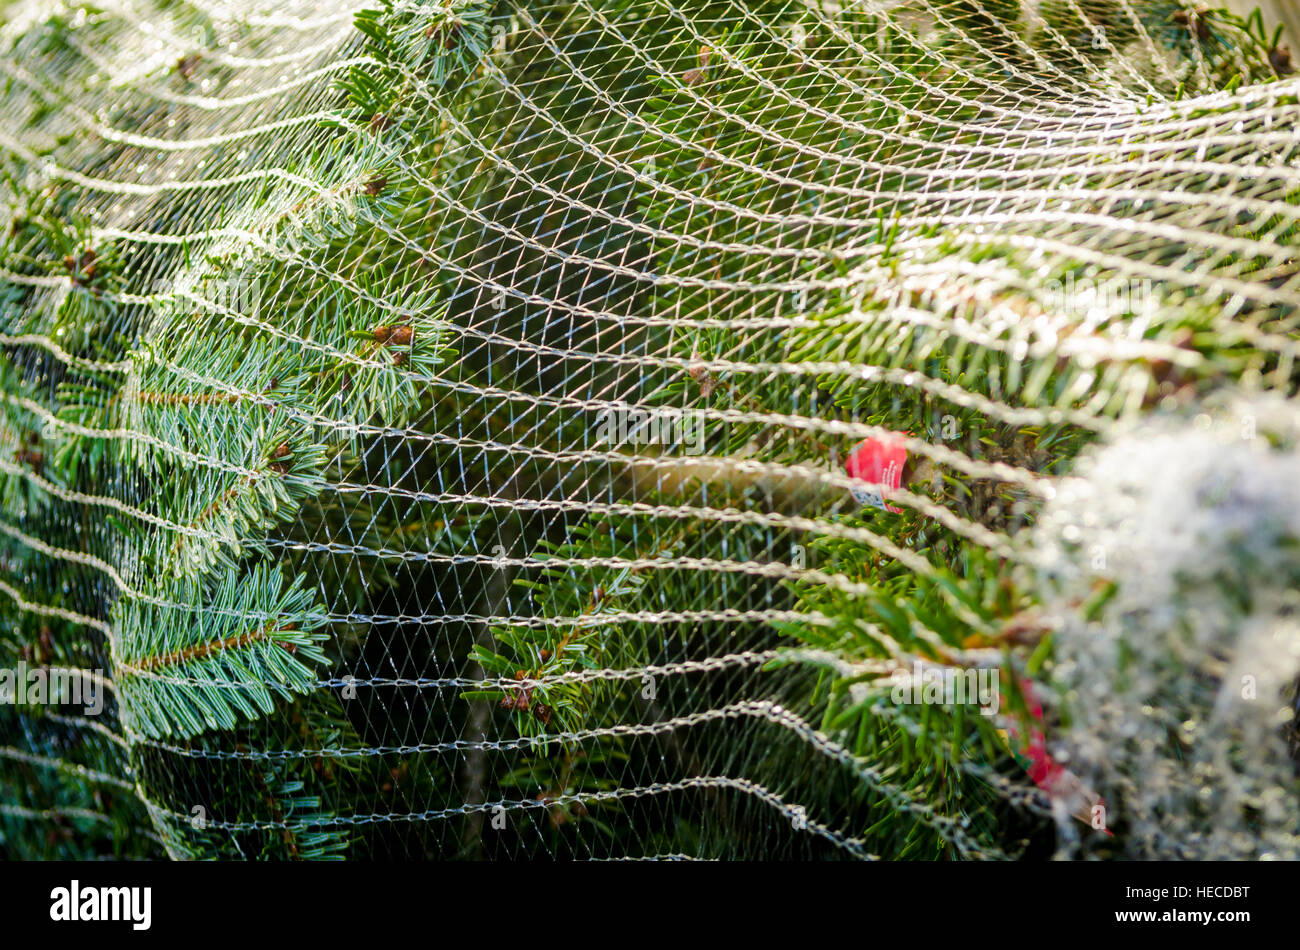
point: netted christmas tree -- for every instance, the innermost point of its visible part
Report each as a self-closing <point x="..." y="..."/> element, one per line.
<point x="608" y="429"/>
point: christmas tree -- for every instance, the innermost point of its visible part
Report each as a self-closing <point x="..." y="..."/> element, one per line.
<point x="615" y="428"/>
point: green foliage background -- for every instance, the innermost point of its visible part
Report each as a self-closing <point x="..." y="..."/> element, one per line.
<point x="347" y="549"/>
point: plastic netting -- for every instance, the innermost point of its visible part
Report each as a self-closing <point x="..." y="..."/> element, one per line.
<point x="444" y="429"/>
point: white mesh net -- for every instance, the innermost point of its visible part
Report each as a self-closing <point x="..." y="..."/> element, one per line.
<point x="591" y="429"/>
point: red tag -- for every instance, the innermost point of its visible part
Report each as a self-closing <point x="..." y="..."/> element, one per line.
<point x="1048" y="774"/>
<point x="880" y="462"/>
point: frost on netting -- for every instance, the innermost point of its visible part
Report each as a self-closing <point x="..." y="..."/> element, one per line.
<point x="1179" y="674"/>
<point x="604" y="428"/>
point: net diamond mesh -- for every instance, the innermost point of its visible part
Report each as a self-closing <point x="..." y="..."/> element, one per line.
<point x="427" y="427"/>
